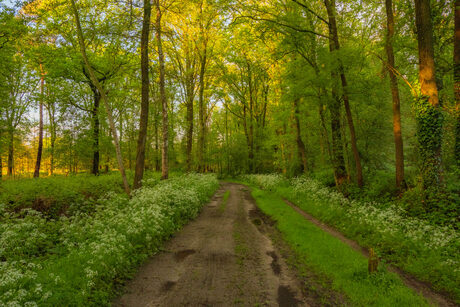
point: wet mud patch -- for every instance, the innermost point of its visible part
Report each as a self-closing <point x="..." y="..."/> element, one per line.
<point x="259" y="218"/>
<point x="168" y="286"/>
<point x="181" y="255"/>
<point x="276" y="267"/>
<point x="286" y="297"/>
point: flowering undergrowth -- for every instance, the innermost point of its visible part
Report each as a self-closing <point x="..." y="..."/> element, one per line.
<point x="78" y="260"/>
<point x="430" y="252"/>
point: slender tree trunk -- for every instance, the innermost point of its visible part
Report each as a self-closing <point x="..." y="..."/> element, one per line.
<point x="52" y="124"/>
<point x="164" y="102"/>
<point x="457" y="80"/>
<point x="11" y="152"/>
<point x="330" y="7"/>
<point x="189" y="132"/>
<point x="140" y="156"/>
<point x="157" y="145"/>
<point x="338" y="161"/>
<point x="428" y="113"/>
<point x="95" y="81"/>
<point x="201" y="115"/>
<point x="96" y="128"/>
<point x="399" y="153"/>
<point x="40" y="125"/>
<point x="52" y="150"/>
<point x="300" y="144"/>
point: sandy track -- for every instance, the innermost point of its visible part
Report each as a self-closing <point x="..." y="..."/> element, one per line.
<point x="219" y="259"/>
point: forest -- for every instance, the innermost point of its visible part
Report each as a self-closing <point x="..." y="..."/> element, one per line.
<point x="120" y="120"/>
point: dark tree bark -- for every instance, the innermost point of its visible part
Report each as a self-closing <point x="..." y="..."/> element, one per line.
<point x="140" y="156"/>
<point x="10" y="152"/>
<point x="457" y="80"/>
<point x="428" y="113"/>
<point x="201" y="112"/>
<point x="399" y="153"/>
<point x="334" y="41"/>
<point x="338" y="161"/>
<point x="40" y="125"/>
<point x="163" y="101"/>
<point x="189" y="129"/>
<point x="96" y="128"/>
<point x="300" y="144"/>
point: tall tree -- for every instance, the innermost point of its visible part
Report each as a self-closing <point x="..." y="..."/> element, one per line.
<point x="399" y="153"/>
<point x="457" y="80"/>
<point x="140" y="156"/>
<point x="163" y="98"/>
<point x="300" y="144"/>
<point x="428" y="110"/>
<point x="81" y="42"/>
<point x="334" y="41"/>
<point x="40" y="125"/>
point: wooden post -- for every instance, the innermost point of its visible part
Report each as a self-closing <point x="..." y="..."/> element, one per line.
<point x="373" y="261"/>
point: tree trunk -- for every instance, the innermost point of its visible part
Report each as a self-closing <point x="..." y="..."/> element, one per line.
<point x="164" y="102"/>
<point x="330" y="7"/>
<point x="96" y="128"/>
<point x="201" y="115"/>
<point x="40" y="125"/>
<point x="52" y="149"/>
<point x="95" y="81"/>
<point x="10" y="153"/>
<point x="300" y="144"/>
<point x="399" y="153"/>
<point x="143" y="123"/>
<point x="189" y="133"/>
<point x="457" y="80"/>
<point x="428" y="113"/>
<point x="52" y="124"/>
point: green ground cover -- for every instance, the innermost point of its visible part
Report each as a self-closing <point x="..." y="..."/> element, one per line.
<point x="430" y="252"/>
<point x="79" y="259"/>
<point x="329" y="257"/>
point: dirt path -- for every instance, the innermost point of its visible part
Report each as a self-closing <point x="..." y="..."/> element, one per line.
<point x="219" y="259"/>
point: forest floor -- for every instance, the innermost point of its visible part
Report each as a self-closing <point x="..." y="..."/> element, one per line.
<point x="222" y="258"/>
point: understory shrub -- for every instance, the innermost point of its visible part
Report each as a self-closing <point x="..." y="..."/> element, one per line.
<point x="79" y="260"/>
<point x="54" y="196"/>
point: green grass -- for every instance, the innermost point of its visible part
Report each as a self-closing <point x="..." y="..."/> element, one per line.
<point x="330" y="257"/>
<point x="223" y="203"/>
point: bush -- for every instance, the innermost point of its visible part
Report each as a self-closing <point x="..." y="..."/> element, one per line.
<point x="54" y="196"/>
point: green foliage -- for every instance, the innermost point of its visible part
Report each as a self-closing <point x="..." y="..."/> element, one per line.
<point x="80" y="260"/>
<point x="54" y="196"/>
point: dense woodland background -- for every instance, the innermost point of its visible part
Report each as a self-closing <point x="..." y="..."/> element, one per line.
<point x="363" y="95"/>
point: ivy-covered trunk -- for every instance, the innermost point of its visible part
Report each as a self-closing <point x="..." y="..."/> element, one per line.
<point x="426" y="106"/>
<point x="457" y="80"/>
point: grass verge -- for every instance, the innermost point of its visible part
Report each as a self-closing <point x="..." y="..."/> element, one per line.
<point x="223" y="203"/>
<point x="328" y="256"/>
